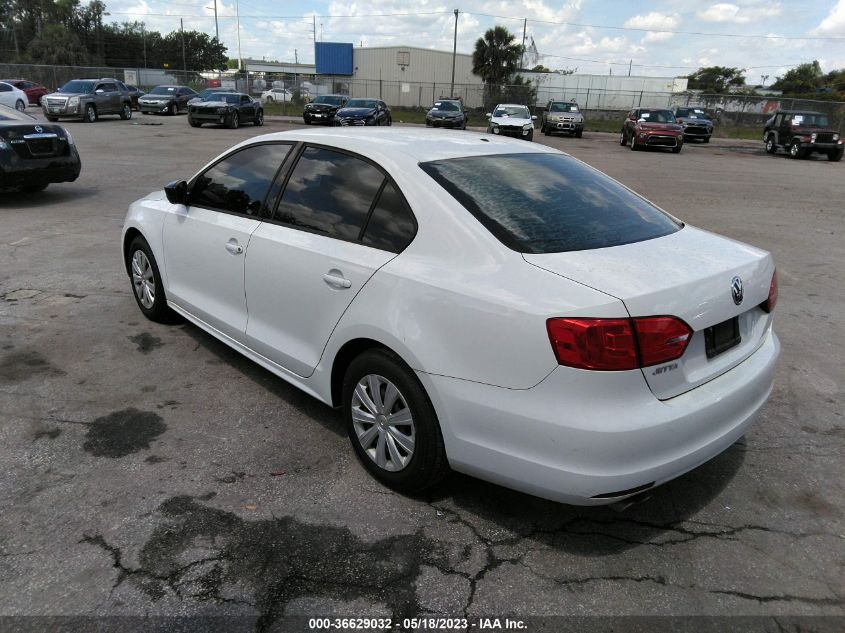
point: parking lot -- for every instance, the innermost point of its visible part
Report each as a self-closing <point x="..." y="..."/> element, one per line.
<point x="150" y="470"/>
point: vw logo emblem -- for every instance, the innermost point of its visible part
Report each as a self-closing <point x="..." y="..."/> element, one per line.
<point x="39" y="129"/>
<point x="736" y="290"/>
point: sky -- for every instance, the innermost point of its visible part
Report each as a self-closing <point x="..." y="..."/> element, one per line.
<point x="659" y="38"/>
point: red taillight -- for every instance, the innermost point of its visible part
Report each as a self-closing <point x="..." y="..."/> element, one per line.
<point x="661" y="339"/>
<point x="770" y="303"/>
<point x="617" y="344"/>
<point x="600" y="344"/>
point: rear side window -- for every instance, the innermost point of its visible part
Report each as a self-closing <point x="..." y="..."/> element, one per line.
<point x="329" y="193"/>
<point x="239" y="182"/>
<point x="391" y="226"/>
<point x="549" y="203"/>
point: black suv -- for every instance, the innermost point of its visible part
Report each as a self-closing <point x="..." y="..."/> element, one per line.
<point x="562" y="116"/>
<point x="697" y="125"/>
<point x="87" y="99"/>
<point x="802" y="132"/>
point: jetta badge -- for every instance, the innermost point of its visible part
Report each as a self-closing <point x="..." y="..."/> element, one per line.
<point x="736" y="290"/>
<point x="39" y="129"/>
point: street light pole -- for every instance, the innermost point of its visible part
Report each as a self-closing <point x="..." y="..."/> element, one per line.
<point x="182" y="31"/>
<point x="454" y="54"/>
<point x="216" y="29"/>
<point x="238" y="17"/>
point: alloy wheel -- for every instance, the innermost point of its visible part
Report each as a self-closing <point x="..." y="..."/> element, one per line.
<point x="20" y="106"/>
<point x="143" y="279"/>
<point x="383" y="423"/>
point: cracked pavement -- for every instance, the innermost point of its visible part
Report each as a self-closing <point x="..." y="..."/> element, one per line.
<point x="150" y="470"/>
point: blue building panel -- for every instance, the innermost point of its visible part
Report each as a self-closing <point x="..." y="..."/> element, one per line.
<point x="333" y="58"/>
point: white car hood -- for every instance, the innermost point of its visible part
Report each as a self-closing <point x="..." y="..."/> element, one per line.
<point x="511" y="120"/>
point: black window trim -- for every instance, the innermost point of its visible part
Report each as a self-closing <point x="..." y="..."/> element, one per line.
<point x="258" y="216"/>
<point x="387" y="178"/>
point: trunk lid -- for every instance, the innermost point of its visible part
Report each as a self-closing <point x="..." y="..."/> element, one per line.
<point x="35" y="140"/>
<point x="689" y="275"/>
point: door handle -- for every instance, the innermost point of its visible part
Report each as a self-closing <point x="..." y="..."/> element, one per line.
<point x="335" y="278"/>
<point x="234" y="248"/>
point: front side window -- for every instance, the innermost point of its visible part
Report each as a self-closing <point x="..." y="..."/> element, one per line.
<point x="239" y="182"/>
<point x="329" y="193"/>
<point x="549" y="203"/>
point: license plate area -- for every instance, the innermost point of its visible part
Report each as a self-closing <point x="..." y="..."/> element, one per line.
<point x="721" y="337"/>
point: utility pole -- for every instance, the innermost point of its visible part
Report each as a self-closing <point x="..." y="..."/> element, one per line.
<point x="238" y="19"/>
<point x="454" y="54"/>
<point x="182" y="31"/>
<point x="522" y="56"/>
<point x="216" y="28"/>
<point x="630" y="63"/>
<point x="144" y="39"/>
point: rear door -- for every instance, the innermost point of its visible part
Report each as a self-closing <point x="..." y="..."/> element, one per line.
<point x="206" y="241"/>
<point x="338" y="221"/>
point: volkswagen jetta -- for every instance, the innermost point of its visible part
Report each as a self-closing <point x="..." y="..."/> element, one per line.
<point x="470" y="302"/>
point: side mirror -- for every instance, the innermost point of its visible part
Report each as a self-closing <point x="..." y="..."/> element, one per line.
<point x="489" y="115"/>
<point x="534" y="117"/>
<point x="176" y="191"/>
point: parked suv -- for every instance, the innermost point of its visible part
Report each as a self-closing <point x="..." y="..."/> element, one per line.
<point x="562" y="116"/>
<point x="802" y="132"/>
<point x="87" y="99"/>
<point x="697" y="125"/>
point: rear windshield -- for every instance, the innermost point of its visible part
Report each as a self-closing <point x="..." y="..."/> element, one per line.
<point x="549" y="203"/>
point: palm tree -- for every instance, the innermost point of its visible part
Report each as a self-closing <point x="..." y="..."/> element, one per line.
<point x="496" y="56"/>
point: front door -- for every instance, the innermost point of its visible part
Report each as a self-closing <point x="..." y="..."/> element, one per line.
<point x="206" y="241"/>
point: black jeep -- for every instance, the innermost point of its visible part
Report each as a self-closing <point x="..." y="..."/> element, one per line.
<point x="802" y="132"/>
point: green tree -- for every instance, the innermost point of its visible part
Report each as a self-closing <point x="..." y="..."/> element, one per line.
<point x="539" y="68"/>
<point x="716" y="79"/>
<point x="496" y="55"/>
<point x="56" y="45"/>
<point x="802" y="79"/>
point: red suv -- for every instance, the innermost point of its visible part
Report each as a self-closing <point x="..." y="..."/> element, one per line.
<point x="652" y="127"/>
<point x="33" y="91"/>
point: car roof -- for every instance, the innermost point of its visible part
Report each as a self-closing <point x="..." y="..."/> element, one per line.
<point x="408" y="144"/>
<point x="510" y="105"/>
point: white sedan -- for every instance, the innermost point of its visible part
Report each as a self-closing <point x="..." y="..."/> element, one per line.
<point x="276" y="95"/>
<point x="470" y="302"/>
<point x="13" y="97"/>
<point x="511" y="119"/>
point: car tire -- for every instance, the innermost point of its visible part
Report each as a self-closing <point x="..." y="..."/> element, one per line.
<point x="90" y="115"/>
<point x="771" y="146"/>
<point x="623" y="139"/>
<point x="172" y="109"/>
<point x="677" y="150"/>
<point x="579" y="133"/>
<point x="258" y="121"/>
<point x="389" y="121"/>
<point x="706" y="139"/>
<point x="408" y="457"/>
<point x="307" y="121"/>
<point x="33" y="188"/>
<point x="835" y="155"/>
<point x="269" y="100"/>
<point x="634" y="146"/>
<point x="548" y="132"/>
<point x="126" y="113"/>
<point x="530" y="136"/>
<point x="193" y="122"/>
<point x="234" y="120"/>
<point x="145" y="282"/>
<point x="20" y="106"/>
<point x="794" y="150"/>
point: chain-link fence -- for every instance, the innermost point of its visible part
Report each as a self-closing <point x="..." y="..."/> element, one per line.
<point x="727" y="110"/>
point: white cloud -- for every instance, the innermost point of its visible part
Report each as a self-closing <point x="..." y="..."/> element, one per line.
<point x="654" y="20"/>
<point x="727" y="12"/>
<point x="657" y="36"/>
<point x="834" y="23"/>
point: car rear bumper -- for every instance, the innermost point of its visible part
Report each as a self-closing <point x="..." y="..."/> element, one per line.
<point x="20" y="172"/>
<point x="589" y="438"/>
